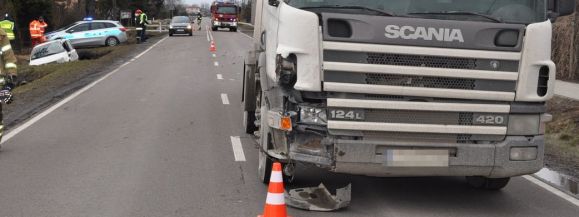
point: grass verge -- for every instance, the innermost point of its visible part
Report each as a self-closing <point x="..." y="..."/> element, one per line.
<point x="562" y="136"/>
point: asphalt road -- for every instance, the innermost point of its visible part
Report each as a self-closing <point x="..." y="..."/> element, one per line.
<point x="155" y="139"/>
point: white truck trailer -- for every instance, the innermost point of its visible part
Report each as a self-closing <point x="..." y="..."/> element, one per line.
<point x="394" y="88"/>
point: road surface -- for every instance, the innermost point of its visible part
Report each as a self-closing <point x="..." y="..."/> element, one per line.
<point x="157" y="138"/>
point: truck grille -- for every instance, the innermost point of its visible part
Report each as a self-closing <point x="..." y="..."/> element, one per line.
<point x="379" y="83"/>
<point x="421" y="117"/>
<point x="426" y="137"/>
<point x="424" y="61"/>
<point x="420" y="81"/>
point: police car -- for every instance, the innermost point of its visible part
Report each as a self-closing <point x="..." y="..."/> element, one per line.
<point x="89" y="33"/>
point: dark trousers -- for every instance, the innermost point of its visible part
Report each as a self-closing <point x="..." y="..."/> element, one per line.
<point x="143" y="33"/>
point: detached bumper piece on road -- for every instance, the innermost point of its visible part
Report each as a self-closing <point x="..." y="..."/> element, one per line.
<point x="319" y="198"/>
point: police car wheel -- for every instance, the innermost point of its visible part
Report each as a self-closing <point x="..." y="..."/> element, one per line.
<point x="112" y="41"/>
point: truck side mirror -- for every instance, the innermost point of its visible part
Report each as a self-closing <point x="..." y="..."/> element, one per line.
<point x="274" y="3"/>
<point x="557" y="8"/>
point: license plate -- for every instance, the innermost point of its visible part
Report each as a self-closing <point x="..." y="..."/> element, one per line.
<point x="416" y="158"/>
<point x="346" y="114"/>
<point x="180" y="30"/>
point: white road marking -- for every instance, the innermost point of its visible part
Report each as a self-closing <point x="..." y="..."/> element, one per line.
<point x="224" y="99"/>
<point x="219" y="76"/>
<point x="553" y="190"/>
<point x="43" y="114"/>
<point x="246" y="35"/>
<point x="207" y="31"/>
<point x="237" y="149"/>
<point x="214" y="55"/>
<point x="216" y="63"/>
<point x="210" y="34"/>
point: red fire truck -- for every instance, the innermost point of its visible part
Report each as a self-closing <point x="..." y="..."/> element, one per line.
<point x="224" y="15"/>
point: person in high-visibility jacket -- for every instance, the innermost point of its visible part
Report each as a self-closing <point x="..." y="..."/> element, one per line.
<point x="8" y="72"/>
<point x="142" y="21"/>
<point x="36" y="28"/>
<point x="8" y="26"/>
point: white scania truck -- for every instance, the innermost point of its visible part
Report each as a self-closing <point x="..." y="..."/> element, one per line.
<point x="396" y="88"/>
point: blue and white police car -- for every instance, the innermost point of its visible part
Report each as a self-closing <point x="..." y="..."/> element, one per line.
<point x="89" y="33"/>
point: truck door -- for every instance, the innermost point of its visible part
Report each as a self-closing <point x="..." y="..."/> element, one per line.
<point x="270" y="22"/>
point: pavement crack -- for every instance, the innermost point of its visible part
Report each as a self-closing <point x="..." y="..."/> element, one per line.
<point x="242" y="176"/>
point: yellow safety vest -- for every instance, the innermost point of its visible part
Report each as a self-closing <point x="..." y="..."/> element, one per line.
<point x="8" y="27"/>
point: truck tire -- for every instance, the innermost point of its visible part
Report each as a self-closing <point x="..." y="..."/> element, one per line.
<point x="214" y="28"/>
<point x="233" y="29"/>
<point x="264" y="167"/>
<point x="480" y="182"/>
<point x="265" y="163"/>
<point x="249" y="99"/>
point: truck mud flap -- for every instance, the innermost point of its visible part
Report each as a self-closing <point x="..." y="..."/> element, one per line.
<point x="319" y="198"/>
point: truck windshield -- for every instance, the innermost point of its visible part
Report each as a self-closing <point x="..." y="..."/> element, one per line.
<point x="508" y="11"/>
<point x="226" y="10"/>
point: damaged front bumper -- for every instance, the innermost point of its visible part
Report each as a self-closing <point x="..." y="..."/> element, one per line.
<point x="399" y="159"/>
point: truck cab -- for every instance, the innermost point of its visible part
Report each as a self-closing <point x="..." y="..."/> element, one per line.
<point x="224" y="15"/>
<point x="403" y="87"/>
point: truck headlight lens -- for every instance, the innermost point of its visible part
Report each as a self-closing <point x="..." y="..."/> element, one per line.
<point x="524" y="125"/>
<point x="523" y="153"/>
<point x="170" y="26"/>
<point x="188" y="26"/>
<point x="312" y="115"/>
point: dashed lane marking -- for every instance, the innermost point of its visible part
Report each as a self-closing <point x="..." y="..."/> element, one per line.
<point x="219" y="77"/>
<point x="43" y="114"/>
<point x="237" y="149"/>
<point x="224" y="99"/>
<point x="216" y="63"/>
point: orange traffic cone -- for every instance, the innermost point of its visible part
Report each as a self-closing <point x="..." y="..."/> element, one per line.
<point x="212" y="48"/>
<point x="275" y="202"/>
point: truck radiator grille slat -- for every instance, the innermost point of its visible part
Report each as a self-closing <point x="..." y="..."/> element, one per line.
<point x="426" y="137"/>
<point x="424" y="61"/>
<point x="420" y="81"/>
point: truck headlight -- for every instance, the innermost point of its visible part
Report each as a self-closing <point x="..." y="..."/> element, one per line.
<point x="524" y="125"/>
<point x="188" y="26"/>
<point x="170" y="26"/>
<point x="312" y="115"/>
<point x="523" y="153"/>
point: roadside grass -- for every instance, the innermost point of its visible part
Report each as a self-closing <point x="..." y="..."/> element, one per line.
<point x="90" y="59"/>
<point x="562" y="136"/>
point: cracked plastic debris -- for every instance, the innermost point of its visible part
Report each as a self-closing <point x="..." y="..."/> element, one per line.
<point x="319" y="198"/>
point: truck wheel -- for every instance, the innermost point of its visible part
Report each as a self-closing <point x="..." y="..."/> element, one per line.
<point x="249" y="100"/>
<point x="233" y="29"/>
<point x="214" y="28"/>
<point x="480" y="182"/>
<point x="264" y="167"/>
<point x="249" y="122"/>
